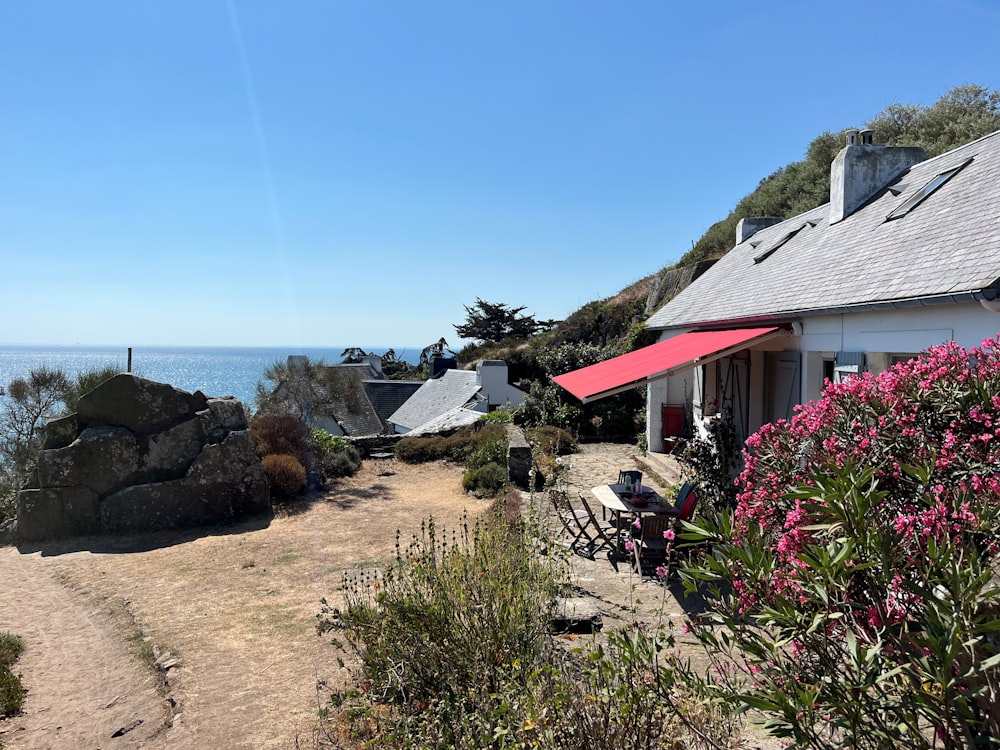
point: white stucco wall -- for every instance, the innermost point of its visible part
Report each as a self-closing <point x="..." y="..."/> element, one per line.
<point x="880" y="334"/>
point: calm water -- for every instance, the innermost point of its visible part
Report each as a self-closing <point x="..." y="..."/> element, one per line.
<point x="215" y="371"/>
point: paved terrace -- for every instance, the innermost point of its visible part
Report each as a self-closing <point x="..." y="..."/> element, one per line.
<point x="605" y="586"/>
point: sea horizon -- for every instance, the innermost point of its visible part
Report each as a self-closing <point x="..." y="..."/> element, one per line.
<point x="213" y="370"/>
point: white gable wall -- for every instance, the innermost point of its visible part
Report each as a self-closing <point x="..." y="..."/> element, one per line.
<point x="491" y="374"/>
<point x="882" y="335"/>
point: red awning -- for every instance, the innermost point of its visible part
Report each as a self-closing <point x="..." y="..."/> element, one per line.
<point x="657" y="361"/>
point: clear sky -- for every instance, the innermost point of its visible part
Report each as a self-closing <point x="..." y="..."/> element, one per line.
<point x="323" y="172"/>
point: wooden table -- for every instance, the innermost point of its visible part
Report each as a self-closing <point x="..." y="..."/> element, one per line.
<point x="610" y="496"/>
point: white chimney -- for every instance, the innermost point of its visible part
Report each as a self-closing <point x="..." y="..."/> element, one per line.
<point x="863" y="168"/>
<point x="749" y="226"/>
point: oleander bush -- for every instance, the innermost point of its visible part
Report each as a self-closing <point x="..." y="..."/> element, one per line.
<point x="856" y="579"/>
<point x="286" y="476"/>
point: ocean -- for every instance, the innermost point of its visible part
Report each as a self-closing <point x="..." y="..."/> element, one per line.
<point x="215" y="371"/>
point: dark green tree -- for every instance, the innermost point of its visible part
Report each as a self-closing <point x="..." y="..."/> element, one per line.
<point x="495" y="321"/>
<point x="438" y="349"/>
<point x="29" y="403"/>
<point x="306" y="389"/>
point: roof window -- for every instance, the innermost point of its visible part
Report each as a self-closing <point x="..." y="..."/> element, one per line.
<point x="771" y="250"/>
<point x="917" y="198"/>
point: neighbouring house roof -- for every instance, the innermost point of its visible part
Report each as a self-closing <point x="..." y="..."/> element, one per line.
<point x="386" y="396"/>
<point x="944" y="246"/>
<point x="450" y="420"/>
<point x="453" y="389"/>
<point x="353" y="410"/>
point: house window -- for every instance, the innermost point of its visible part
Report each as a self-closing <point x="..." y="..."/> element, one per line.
<point x="827" y="370"/>
<point x="846" y="364"/>
<point x="917" y="198"/>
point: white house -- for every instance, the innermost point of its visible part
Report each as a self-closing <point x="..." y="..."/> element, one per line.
<point x="905" y="255"/>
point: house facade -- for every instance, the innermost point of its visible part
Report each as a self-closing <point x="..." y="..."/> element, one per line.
<point x="905" y="255"/>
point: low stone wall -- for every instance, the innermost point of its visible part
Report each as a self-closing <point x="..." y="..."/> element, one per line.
<point x="519" y="460"/>
<point x="143" y="456"/>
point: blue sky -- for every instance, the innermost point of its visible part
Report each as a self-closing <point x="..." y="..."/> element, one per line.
<point x="352" y="173"/>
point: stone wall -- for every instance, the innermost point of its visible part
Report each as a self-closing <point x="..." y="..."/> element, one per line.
<point x="143" y="456"/>
<point x="519" y="460"/>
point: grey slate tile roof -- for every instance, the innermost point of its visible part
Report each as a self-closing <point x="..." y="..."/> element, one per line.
<point x="453" y="389"/>
<point x="355" y="413"/>
<point x="948" y="245"/>
<point x="450" y="420"/>
<point x="386" y="396"/>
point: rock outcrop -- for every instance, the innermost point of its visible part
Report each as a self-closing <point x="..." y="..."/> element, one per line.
<point x="143" y="456"/>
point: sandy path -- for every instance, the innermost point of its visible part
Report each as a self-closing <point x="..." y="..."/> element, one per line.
<point x="236" y="607"/>
<point x="91" y="686"/>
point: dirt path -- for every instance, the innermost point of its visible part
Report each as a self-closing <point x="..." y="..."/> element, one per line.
<point x="86" y="689"/>
<point x="235" y="608"/>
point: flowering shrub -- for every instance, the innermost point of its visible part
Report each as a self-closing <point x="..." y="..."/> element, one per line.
<point x="860" y="561"/>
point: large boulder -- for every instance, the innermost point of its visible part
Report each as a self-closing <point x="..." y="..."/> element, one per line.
<point x="140" y="405"/>
<point x="225" y="483"/>
<point x="143" y="456"/>
<point x="57" y="512"/>
<point x="169" y="454"/>
<point x="102" y="459"/>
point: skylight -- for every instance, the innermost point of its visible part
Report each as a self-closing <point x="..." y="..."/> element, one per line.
<point x="767" y="253"/>
<point x="917" y="198"/>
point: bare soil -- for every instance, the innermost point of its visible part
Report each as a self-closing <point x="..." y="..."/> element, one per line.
<point x="229" y="614"/>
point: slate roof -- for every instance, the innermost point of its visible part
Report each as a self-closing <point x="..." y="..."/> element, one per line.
<point x="944" y="249"/>
<point x="450" y="420"/>
<point x="354" y="412"/>
<point x="386" y="396"/>
<point x="453" y="389"/>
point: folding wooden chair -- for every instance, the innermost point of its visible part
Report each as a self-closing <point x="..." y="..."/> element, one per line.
<point x="649" y="544"/>
<point x="595" y="530"/>
<point x="574" y="521"/>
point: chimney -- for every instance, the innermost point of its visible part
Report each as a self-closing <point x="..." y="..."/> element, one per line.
<point x="749" y="226"/>
<point x="863" y="168"/>
<point x="439" y="365"/>
<point x="491" y="377"/>
<point x="374" y="361"/>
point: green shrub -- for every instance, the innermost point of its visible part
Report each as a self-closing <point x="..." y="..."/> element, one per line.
<point x="456" y="447"/>
<point x="286" y="476"/>
<point x="281" y="435"/>
<point x="337" y="456"/>
<point x="12" y="691"/>
<point x="486" y="481"/>
<point x="493" y="452"/>
<point x="498" y="416"/>
<point x="341" y="463"/>
<point x="551" y="440"/>
<point x="418" y="450"/>
<point x="457" y="621"/>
